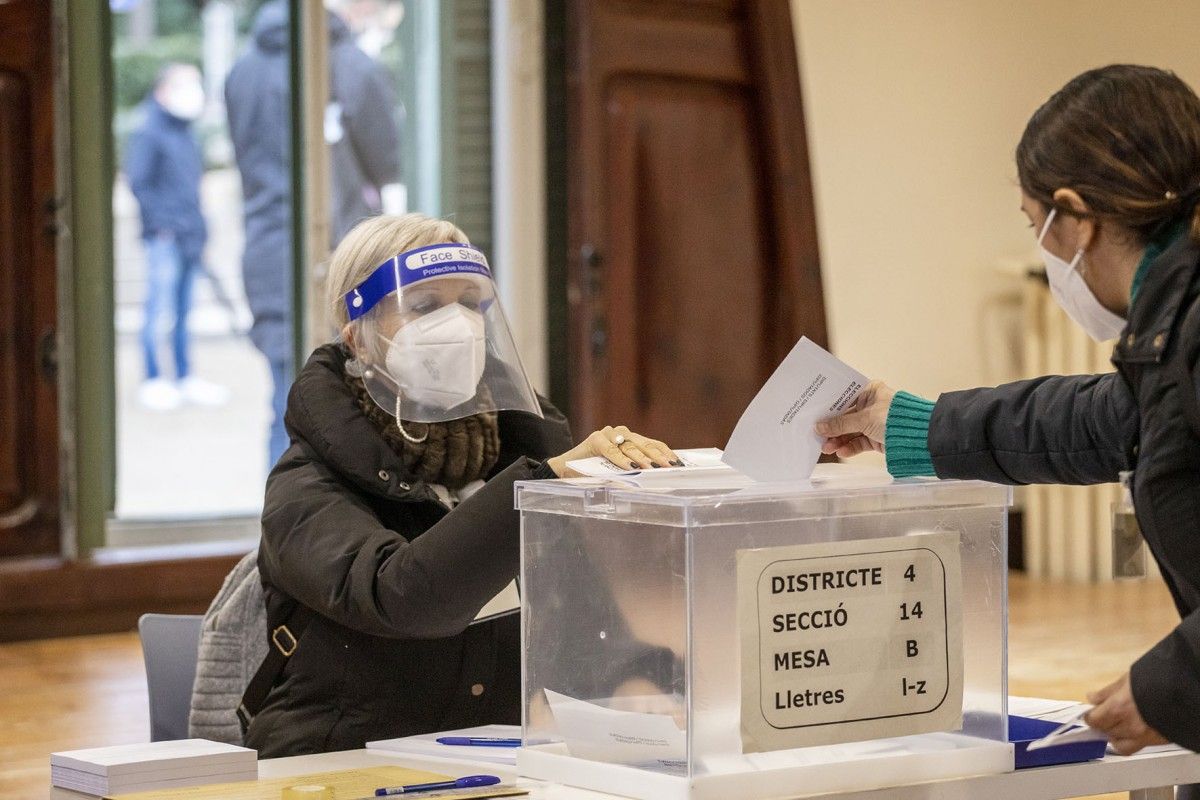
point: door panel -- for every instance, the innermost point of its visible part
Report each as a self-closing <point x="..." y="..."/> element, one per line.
<point x="28" y="400"/>
<point x="668" y="224"/>
<point x="690" y="213"/>
<point x="14" y="141"/>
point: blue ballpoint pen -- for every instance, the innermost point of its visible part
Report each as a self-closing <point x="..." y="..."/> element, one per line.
<point x="479" y="741"/>
<point x="469" y="782"/>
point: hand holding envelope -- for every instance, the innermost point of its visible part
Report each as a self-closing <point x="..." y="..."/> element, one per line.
<point x="862" y="428"/>
<point x="1117" y="717"/>
<point x="775" y="439"/>
<point x="1114" y="717"/>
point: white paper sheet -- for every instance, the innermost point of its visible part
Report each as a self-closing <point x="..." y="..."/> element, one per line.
<point x="1042" y="708"/>
<point x="508" y="601"/>
<point x="774" y="440"/>
<point x="618" y="737"/>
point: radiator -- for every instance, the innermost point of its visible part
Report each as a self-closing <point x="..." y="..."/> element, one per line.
<point x="1068" y="529"/>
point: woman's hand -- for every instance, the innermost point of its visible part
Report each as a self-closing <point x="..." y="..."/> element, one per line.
<point x="1116" y="715"/>
<point x="621" y="446"/>
<point x="862" y="427"/>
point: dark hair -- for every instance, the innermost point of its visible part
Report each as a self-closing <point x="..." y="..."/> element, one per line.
<point x="1127" y="139"/>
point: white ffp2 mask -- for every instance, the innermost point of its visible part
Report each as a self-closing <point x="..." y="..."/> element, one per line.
<point x="185" y="101"/>
<point x="1072" y="294"/>
<point x="438" y="359"/>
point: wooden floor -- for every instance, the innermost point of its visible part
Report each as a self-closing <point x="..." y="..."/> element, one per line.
<point x="60" y="694"/>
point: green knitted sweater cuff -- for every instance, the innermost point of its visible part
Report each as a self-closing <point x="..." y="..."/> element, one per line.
<point x="906" y="439"/>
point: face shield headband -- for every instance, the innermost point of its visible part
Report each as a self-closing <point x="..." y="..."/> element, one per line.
<point x="413" y="266"/>
<point x="430" y="339"/>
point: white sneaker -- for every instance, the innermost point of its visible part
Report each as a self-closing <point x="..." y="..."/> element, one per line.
<point x="159" y="394"/>
<point x="200" y="392"/>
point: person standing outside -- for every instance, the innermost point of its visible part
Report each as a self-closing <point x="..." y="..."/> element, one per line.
<point x="361" y="130"/>
<point x="164" y="166"/>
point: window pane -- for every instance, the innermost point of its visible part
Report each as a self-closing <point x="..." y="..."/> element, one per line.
<point x="202" y="267"/>
<point x="408" y="119"/>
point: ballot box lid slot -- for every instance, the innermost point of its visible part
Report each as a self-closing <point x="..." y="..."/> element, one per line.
<point x="766" y="502"/>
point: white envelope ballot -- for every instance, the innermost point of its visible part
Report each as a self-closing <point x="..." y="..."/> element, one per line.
<point x="774" y="440"/>
<point x="617" y="737"/>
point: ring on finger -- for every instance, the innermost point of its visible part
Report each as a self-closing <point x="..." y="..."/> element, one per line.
<point x="619" y="440"/>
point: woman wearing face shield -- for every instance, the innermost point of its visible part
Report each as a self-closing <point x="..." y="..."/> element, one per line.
<point x="1109" y="170"/>
<point x="389" y="523"/>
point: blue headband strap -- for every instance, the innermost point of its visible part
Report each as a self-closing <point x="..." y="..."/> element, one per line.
<point x="412" y="266"/>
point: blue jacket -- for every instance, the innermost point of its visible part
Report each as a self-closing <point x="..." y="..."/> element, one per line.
<point x="164" y="166"/>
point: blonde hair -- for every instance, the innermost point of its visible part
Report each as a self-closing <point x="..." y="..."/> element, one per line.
<point x="375" y="240"/>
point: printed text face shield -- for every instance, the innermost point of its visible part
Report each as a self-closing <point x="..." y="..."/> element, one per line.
<point x="431" y="341"/>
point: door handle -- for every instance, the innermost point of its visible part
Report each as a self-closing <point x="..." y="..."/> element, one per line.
<point x="593" y="282"/>
<point x="592" y="262"/>
<point x="48" y="356"/>
<point x="20" y="515"/>
<point x="598" y="337"/>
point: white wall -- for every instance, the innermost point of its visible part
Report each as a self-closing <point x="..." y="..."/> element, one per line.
<point x="914" y="109"/>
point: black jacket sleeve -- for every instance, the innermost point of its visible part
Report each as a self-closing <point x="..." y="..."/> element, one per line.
<point x="525" y="435"/>
<point x="1076" y="429"/>
<point x="337" y="558"/>
<point x="371" y="124"/>
<point x="1166" y="684"/>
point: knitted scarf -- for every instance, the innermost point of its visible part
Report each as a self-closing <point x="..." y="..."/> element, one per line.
<point x="452" y="454"/>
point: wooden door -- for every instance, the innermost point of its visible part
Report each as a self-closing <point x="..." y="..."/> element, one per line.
<point x="28" y="395"/>
<point x="693" y="263"/>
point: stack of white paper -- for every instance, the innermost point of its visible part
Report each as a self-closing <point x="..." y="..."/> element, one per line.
<point x="159" y="765"/>
<point x="428" y="745"/>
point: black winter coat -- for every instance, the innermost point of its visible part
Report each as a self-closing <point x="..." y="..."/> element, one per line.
<point x="364" y="155"/>
<point x="394" y="577"/>
<point x="1085" y="429"/>
<point x="164" y="167"/>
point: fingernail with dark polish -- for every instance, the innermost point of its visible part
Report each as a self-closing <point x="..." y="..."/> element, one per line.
<point x="676" y="463"/>
<point x="656" y="465"/>
<point x="632" y="465"/>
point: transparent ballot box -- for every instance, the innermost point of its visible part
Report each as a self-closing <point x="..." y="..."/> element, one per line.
<point x="705" y="640"/>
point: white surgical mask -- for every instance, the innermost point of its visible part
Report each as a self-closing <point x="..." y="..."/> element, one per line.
<point x="184" y="100"/>
<point x="437" y="359"/>
<point x="1072" y="294"/>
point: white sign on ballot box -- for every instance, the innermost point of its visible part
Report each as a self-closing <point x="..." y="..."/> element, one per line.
<point x="848" y="641"/>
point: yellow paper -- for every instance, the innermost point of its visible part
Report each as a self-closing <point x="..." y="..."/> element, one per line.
<point x="307" y="792"/>
<point x="350" y="784"/>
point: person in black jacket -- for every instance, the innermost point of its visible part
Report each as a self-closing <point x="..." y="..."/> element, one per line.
<point x="364" y="147"/>
<point x="1109" y="169"/>
<point x="389" y="523"/>
<point x="164" y="167"/>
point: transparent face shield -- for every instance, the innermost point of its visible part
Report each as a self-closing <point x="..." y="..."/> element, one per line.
<point x="430" y="340"/>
